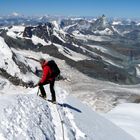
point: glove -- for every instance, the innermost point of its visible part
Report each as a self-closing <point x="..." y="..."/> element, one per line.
<point x="35" y="85"/>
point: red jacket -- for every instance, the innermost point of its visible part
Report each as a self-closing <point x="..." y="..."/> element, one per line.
<point x="46" y="76"/>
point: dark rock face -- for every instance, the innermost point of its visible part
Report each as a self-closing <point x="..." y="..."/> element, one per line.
<point x="23" y="68"/>
<point x="27" y="32"/>
<point x="43" y="31"/>
<point x="100" y="24"/>
<point x="15" y="80"/>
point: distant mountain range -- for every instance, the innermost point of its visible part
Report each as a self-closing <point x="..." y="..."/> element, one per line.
<point x="100" y="48"/>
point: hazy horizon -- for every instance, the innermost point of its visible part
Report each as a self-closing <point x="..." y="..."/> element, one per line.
<point x="84" y="8"/>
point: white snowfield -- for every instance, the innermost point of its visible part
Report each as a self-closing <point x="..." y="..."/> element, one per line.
<point x="29" y="117"/>
<point x="15" y="31"/>
<point x="127" y="116"/>
<point x="36" y="40"/>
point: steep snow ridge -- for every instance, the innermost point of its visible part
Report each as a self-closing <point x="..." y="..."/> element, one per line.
<point x="29" y="113"/>
<point x="70" y="54"/>
<point x="23" y="117"/>
<point x="7" y="62"/>
<point x="116" y="30"/>
<point x="58" y="32"/>
<point x="58" y="36"/>
<point x="26" y="116"/>
<point x="5" y="50"/>
<point x="36" y="40"/>
<point x="69" y="26"/>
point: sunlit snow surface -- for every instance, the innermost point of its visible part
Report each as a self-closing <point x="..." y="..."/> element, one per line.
<point x="127" y="117"/>
<point x="27" y="116"/>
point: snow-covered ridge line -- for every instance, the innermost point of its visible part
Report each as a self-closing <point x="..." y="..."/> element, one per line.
<point x="17" y="31"/>
<point x="27" y="116"/>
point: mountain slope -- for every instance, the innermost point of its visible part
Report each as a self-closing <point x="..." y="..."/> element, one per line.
<point x="27" y="116"/>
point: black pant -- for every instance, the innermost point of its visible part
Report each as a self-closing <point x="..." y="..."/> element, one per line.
<point x="51" y="89"/>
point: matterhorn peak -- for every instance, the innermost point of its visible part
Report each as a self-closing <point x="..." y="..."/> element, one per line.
<point x="101" y="23"/>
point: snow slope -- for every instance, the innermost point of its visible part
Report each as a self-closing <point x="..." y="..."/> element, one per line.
<point x="127" y="117"/>
<point x="15" y="31"/>
<point x="36" y="40"/>
<point x="26" y="116"/>
<point x="6" y="58"/>
<point x="70" y="54"/>
<point x="95" y="126"/>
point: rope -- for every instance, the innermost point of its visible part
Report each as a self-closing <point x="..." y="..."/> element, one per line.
<point x="62" y="122"/>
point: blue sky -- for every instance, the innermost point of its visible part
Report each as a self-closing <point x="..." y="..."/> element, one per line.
<point x="111" y="8"/>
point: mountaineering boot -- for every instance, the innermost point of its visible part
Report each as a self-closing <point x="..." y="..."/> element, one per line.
<point x="54" y="101"/>
<point x="44" y="97"/>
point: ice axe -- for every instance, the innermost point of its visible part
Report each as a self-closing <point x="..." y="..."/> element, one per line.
<point x="38" y="91"/>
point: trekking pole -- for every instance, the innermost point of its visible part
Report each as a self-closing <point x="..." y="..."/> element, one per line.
<point x="38" y="91"/>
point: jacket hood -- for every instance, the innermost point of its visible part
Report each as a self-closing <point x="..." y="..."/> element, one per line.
<point x="44" y="64"/>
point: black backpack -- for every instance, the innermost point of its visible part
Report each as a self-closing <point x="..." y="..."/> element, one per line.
<point x="54" y="68"/>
